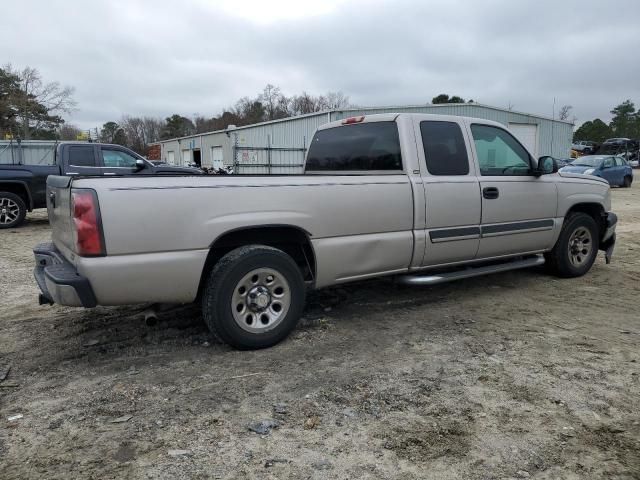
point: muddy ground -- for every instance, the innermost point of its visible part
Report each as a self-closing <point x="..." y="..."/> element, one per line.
<point x="515" y="375"/>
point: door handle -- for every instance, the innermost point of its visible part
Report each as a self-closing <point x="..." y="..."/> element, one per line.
<point x="490" y="193"/>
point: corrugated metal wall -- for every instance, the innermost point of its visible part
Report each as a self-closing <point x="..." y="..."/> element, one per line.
<point x="554" y="137"/>
<point x="30" y="152"/>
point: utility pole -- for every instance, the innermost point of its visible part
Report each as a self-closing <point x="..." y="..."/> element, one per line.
<point x="553" y="122"/>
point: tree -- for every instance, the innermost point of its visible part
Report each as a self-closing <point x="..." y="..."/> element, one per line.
<point x="276" y="105"/>
<point x="271" y="104"/>
<point x="303" y="104"/>
<point x="595" y="130"/>
<point x="141" y="131"/>
<point x="177" y="126"/>
<point x="564" y="112"/>
<point x="251" y="111"/>
<point x="9" y="90"/>
<point x="625" y="120"/>
<point x="39" y="104"/>
<point x="335" y="100"/>
<point x="68" y="132"/>
<point x="444" y="98"/>
<point x="113" y="133"/>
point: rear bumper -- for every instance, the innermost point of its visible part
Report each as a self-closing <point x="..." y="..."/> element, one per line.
<point x="58" y="280"/>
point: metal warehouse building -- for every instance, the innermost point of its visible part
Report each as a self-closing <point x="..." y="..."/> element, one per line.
<point x="279" y="146"/>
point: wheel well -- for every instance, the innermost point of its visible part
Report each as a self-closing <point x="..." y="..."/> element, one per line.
<point x="293" y="241"/>
<point x="18" y="189"/>
<point x="594" y="210"/>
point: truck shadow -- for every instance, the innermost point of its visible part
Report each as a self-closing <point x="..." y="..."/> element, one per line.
<point x="101" y="334"/>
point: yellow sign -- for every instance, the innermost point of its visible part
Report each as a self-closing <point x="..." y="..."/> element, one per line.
<point x="82" y="136"/>
<point x="8" y="136"/>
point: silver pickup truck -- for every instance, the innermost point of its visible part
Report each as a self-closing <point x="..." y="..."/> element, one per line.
<point x="422" y="197"/>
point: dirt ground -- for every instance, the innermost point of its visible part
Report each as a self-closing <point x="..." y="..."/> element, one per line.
<point x="515" y="375"/>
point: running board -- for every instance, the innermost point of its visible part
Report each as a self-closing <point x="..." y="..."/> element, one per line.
<point x="470" y="272"/>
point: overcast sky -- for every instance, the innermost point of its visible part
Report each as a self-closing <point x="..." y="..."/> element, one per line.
<point x="162" y="57"/>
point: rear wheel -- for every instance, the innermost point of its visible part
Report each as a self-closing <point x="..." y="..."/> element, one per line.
<point x="576" y="248"/>
<point x="254" y="297"/>
<point x="626" y="183"/>
<point x="12" y="210"/>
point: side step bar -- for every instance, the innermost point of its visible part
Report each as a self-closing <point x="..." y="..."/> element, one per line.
<point x="470" y="272"/>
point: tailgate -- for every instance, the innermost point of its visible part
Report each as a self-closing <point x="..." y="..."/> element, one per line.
<point x="59" y="210"/>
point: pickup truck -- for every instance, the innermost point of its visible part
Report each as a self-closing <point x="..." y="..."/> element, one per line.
<point x="425" y="198"/>
<point x="22" y="187"/>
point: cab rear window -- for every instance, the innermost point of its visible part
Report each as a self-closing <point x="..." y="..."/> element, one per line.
<point x="82" y="156"/>
<point x="363" y="147"/>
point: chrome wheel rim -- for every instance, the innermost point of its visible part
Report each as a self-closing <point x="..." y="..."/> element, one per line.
<point x="9" y="211"/>
<point x="260" y="300"/>
<point x="580" y="246"/>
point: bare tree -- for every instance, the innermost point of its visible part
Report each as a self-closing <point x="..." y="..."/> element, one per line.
<point x="68" y="131"/>
<point x="565" y="112"/>
<point x="276" y="105"/>
<point x="152" y="128"/>
<point x="141" y="131"/>
<point x="336" y="100"/>
<point x="303" y="103"/>
<point x="40" y="103"/>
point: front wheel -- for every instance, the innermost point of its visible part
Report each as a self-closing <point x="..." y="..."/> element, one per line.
<point x="626" y="183"/>
<point x="576" y="248"/>
<point x="254" y="297"/>
<point x="12" y="210"/>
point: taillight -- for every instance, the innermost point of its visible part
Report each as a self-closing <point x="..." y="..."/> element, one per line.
<point x="87" y="223"/>
<point x="350" y="120"/>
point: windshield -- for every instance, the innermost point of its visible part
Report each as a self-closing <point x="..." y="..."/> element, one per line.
<point x="587" y="161"/>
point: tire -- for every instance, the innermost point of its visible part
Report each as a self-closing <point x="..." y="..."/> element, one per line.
<point x="576" y="248"/>
<point x="626" y="183"/>
<point x="12" y="210"/>
<point x="277" y="290"/>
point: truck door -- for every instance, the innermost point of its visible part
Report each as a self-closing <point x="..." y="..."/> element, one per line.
<point x="518" y="208"/>
<point x="117" y="161"/>
<point x="451" y="192"/>
<point x="81" y="160"/>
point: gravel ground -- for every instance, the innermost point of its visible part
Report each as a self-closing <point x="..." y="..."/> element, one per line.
<point x="515" y="375"/>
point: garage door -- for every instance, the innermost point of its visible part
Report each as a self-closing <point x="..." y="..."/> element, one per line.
<point x="216" y="157"/>
<point x="527" y="134"/>
<point x="171" y="158"/>
<point x="186" y="157"/>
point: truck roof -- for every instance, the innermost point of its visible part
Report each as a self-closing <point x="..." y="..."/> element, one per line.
<point x="390" y="117"/>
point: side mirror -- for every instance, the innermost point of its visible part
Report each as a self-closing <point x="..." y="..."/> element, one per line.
<point x="140" y="165"/>
<point x="546" y="165"/>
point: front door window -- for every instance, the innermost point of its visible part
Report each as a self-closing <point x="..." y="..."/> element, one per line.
<point x="499" y="153"/>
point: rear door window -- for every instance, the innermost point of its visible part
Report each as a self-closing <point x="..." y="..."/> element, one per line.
<point x="82" y="156"/>
<point x="444" y="149"/>
<point x="359" y="148"/>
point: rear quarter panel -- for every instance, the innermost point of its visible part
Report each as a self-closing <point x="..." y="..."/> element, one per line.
<point x="161" y="228"/>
